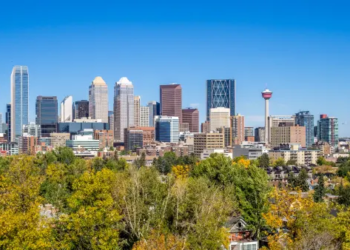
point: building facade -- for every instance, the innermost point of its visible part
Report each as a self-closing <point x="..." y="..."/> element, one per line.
<point x="154" y="110"/>
<point x="32" y="129"/>
<point x="137" y="110"/>
<point x="205" y="127"/>
<point x="305" y="119"/>
<point x="74" y="127"/>
<point x="98" y="99"/>
<point x="111" y="121"/>
<point x="133" y="139"/>
<point x="221" y="93"/>
<point x="8" y="121"/>
<point x="84" y="141"/>
<point x="67" y="109"/>
<point x="237" y="129"/>
<point x="219" y="117"/>
<point x="191" y="116"/>
<point x="144" y="122"/>
<point x="59" y="139"/>
<point x="171" y="101"/>
<point x="46" y="114"/>
<point x="167" y="129"/>
<point x="81" y="109"/>
<point x="259" y="134"/>
<point x="123" y="107"/>
<point x="19" y="100"/>
<point x="327" y="130"/>
<point x="278" y="120"/>
<point x="288" y="134"/>
<point x="212" y="140"/>
<point x="105" y="137"/>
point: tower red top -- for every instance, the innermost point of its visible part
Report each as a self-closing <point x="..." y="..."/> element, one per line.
<point x="266" y="94"/>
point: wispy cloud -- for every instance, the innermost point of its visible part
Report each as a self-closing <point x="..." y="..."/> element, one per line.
<point x="194" y="105"/>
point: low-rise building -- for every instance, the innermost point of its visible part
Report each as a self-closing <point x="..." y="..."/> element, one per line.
<point x="212" y="140"/>
<point x="207" y="152"/>
<point x="84" y="141"/>
<point x="59" y="139"/>
<point x="295" y="153"/>
<point x="10" y="148"/>
<point x="106" y="138"/>
<point x="27" y="144"/>
<point x="251" y="150"/>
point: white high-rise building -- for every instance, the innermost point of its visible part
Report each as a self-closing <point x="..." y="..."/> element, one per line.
<point x="19" y="100"/>
<point x="67" y="109"/>
<point x="144" y="117"/>
<point x="137" y="110"/>
<point x="219" y="117"/>
<point x="123" y="107"/>
<point x="98" y="99"/>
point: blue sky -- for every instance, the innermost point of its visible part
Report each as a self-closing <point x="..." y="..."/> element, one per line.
<point x="299" y="49"/>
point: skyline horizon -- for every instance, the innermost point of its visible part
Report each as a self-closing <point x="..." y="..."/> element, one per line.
<point x="32" y="115"/>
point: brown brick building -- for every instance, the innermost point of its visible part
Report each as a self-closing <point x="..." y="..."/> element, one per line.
<point x="106" y="138"/>
<point x="171" y="100"/>
<point x="191" y="116"/>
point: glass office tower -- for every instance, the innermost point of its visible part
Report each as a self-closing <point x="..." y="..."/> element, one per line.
<point x="8" y="121"/>
<point x="19" y="100"/>
<point x="167" y="129"/>
<point x="327" y="130"/>
<point x="221" y="94"/>
<point x="304" y="118"/>
<point x="47" y="114"/>
<point x="154" y="110"/>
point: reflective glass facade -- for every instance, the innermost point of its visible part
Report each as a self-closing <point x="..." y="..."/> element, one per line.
<point x="19" y="100"/>
<point x="221" y="93"/>
<point x="327" y="130"/>
<point x="8" y="121"/>
<point x="304" y="118"/>
<point x="47" y="114"/>
<point x="74" y="127"/>
<point x="167" y="129"/>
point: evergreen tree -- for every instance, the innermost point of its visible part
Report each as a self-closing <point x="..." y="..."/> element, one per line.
<point x="301" y="181"/>
<point x="320" y="190"/>
<point x="264" y="161"/>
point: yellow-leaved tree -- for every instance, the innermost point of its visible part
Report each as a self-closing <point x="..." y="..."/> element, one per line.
<point x="21" y="226"/>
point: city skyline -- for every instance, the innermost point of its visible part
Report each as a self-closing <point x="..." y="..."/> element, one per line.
<point x="298" y="52"/>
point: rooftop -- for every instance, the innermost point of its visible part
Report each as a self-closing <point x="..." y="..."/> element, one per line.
<point x="124" y="81"/>
<point x="98" y="81"/>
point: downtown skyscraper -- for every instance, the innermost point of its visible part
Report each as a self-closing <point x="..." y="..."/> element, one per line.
<point x="171" y="101"/>
<point x="46" y="114"/>
<point x="98" y="99"/>
<point x="123" y="107"/>
<point x="67" y="109"/>
<point x="221" y="94"/>
<point x="19" y="100"/>
<point x="305" y="119"/>
<point x="327" y="130"/>
<point x="154" y="110"/>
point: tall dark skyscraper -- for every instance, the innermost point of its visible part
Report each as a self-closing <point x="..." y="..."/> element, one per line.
<point x="171" y="101"/>
<point x="47" y="114"/>
<point x="304" y="118"/>
<point x="221" y="93"/>
<point x="8" y="121"/>
<point x="81" y="109"/>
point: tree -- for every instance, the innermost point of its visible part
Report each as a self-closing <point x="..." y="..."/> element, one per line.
<point x="94" y="219"/>
<point x="344" y="195"/>
<point x="279" y="162"/>
<point x="21" y="224"/>
<point x="320" y="189"/>
<point x="165" y="163"/>
<point x="301" y="181"/>
<point x="264" y="161"/>
<point x="299" y="223"/>
<point x="291" y="163"/>
<point x="160" y="241"/>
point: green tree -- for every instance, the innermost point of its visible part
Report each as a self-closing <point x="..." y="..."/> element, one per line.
<point x="321" y="161"/>
<point x="291" y="163"/>
<point x="320" y="190"/>
<point x="279" y="162"/>
<point x="165" y="163"/>
<point x="344" y="195"/>
<point x="301" y="181"/>
<point x="264" y="161"/>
